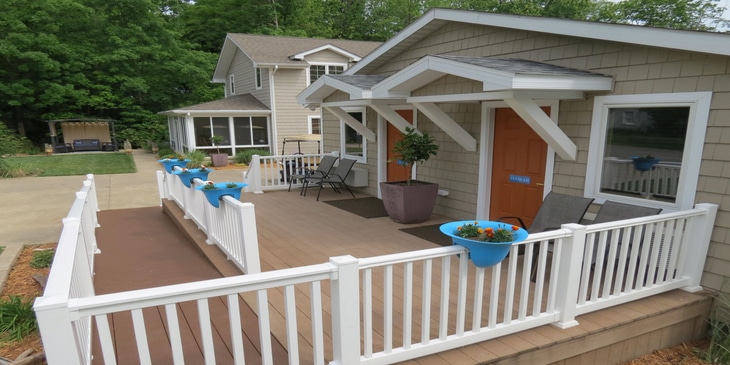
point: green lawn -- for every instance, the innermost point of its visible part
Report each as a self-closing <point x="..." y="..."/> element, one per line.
<point x="81" y="164"/>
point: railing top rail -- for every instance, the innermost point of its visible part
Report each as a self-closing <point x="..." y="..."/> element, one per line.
<point x="645" y="220"/>
<point x="142" y="298"/>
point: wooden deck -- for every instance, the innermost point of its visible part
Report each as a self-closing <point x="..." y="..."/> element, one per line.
<point x="151" y="251"/>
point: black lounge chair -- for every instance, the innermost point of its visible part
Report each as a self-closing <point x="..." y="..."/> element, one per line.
<point x="322" y="171"/>
<point x="336" y="179"/>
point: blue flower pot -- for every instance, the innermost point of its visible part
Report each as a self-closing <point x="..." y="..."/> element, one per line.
<point x="187" y="176"/>
<point x="483" y="254"/>
<point x="214" y="195"/>
<point x="643" y="163"/>
<point x="170" y="163"/>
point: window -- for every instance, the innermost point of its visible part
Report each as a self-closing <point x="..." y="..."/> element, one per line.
<point x="315" y="125"/>
<point x="259" y="82"/>
<point x="251" y="131"/>
<point x="647" y="149"/>
<point x="231" y="85"/>
<point x="317" y="71"/>
<point x="353" y="144"/>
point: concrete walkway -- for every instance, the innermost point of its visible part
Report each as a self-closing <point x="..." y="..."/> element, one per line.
<point x="33" y="207"/>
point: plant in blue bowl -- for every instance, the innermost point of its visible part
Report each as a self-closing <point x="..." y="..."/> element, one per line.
<point x="171" y="161"/>
<point x="488" y="242"/>
<point x="187" y="175"/>
<point x="214" y="192"/>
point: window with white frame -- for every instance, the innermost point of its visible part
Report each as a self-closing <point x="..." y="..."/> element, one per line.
<point x="315" y="125"/>
<point x="652" y="157"/>
<point x="352" y="143"/>
<point x="231" y="85"/>
<point x="259" y="82"/>
<point x="317" y="71"/>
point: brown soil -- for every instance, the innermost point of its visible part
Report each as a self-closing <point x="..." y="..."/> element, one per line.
<point x="20" y="282"/>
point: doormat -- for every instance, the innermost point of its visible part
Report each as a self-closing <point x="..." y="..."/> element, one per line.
<point x="370" y="207"/>
<point x="429" y="233"/>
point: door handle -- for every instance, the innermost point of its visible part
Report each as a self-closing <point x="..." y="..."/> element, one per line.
<point x="539" y="184"/>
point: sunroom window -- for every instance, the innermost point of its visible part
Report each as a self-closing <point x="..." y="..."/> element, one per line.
<point x="646" y="149"/>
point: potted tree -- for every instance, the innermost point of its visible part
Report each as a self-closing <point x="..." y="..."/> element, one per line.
<point x="218" y="159"/>
<point x="411" y="201"/>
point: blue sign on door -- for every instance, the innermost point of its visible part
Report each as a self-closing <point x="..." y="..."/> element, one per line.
<point x="519" y="179"/>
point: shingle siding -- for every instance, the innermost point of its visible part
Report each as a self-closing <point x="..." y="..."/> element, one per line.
<point x="636" y="70"/>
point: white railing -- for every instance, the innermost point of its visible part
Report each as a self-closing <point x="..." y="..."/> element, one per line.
<point x="661" y="180"/>
<point x="71" y="276"/>
<point x="232" y="226"/>
<point x="267" y="173"/>
<point x="397" y="307"/>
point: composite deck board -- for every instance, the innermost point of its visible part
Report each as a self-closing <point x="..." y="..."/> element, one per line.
<point x="296" y="231"/>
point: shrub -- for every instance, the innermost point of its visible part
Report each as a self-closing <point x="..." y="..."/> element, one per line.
<point x="719" y="350"/>
<point x="42" y="259"/>
<point x="244" y="157"/>
<point x="165" y="151"/>
<point x="17" y="318"/>
<point x="196" y="157"/>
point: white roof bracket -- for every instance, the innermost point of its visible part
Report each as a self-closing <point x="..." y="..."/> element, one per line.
<point x="448" y="125"/>
<point x="352" y="122"/>
<point x="545" y="127"/>
<point x="391" y="116"/>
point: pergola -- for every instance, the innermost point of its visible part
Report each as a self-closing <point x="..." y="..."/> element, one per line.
<point x="83" y="129"/>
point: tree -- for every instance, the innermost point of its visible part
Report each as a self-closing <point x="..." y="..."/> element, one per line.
<point x="676" y="14"/>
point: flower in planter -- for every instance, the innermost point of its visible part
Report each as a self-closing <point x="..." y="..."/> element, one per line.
<point x="489" y="234"/>
<point x="209" y="185"/>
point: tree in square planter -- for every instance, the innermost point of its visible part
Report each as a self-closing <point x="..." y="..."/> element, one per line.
<point x="411" y="201"/>
<point x="218" y="159"/>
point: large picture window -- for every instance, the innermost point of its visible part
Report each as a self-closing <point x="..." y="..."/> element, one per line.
<point x="646" y="149"/>
<point x="353" y="144"/>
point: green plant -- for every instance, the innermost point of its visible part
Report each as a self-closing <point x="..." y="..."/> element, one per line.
<point x="414" y="148"/>
<point x="216" y="141"/>
<point x="245" y="157"/>
<point x="196" y="157"/>
<point x="231" y="185"/>
<point x="17" y="318"/>
<point x="209" y="186"/>
<point x="42" y="259"/>
<point x="165" y="151"/>
<point x="719" y="332"/>
<point x="473" y="231"/>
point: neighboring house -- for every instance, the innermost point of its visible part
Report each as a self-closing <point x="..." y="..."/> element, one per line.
<point x="521" y="106"/>
<point x="262" y="77"/>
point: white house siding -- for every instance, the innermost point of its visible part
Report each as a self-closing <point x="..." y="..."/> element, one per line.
<point x="326" y="56"/>
<point x="636" y="70"/>
<point x="242" y="68"/>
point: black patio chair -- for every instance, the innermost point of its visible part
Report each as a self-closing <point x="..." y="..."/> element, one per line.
<point x="556" y="209"/>
<point x="322" y="171"/>
<point x="336" y="179"/>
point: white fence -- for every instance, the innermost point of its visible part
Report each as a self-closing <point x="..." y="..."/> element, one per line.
<point x="661" y="180"/>
<point x="274" y="172"/>
<point x="232" y="226"/>
<point x="397" y="307"/>
<point x="71" y="277"/>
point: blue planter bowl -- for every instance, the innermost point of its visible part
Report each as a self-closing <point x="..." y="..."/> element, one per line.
<point x="643" y="163"/>
<point x="214" y="195"/>
<point x="483" y="254"/>
<point x="172" y="162"/>
<point x="187" y="176"/>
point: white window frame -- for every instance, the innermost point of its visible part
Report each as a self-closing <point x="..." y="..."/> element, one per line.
<point x="309" y="123"/>
<point x="259" y="78"/>
<point x="699" y="105"/>
<point x="326" y="69"/>
<point x="343" y="144"/>
<point x="231" y="85"/>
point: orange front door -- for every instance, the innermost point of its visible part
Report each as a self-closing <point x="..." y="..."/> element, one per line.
<point x="395" y="171"/>
<point x="518" y="168"/>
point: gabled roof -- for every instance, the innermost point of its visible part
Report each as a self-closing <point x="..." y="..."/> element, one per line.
<point x="271" y="51"/>
<point x="697" y="41"/>
<point x="237" y="104"/>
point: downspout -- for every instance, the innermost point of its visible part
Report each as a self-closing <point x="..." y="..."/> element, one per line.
<point x="274" y="124"/>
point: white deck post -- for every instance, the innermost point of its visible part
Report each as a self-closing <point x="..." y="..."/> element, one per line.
<point x="570" y="263"/>
<point x="700" y="229"/>
<point x="57" y="332"/>
<point x="251" y="260"/>
<point x="346" y="311"/>
<point x="252" y="176"/>
<point x="161" y="187"/>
